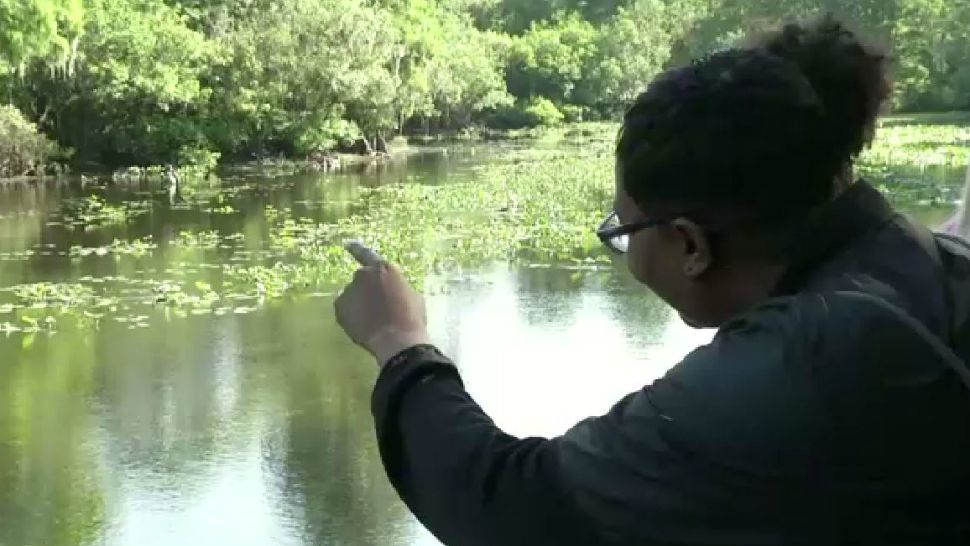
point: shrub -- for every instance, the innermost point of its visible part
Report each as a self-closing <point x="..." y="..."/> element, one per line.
<point x="573" y="113"/>
<point x="198" y="160"/>
<point x="537" y="111"/>
<point x="509" y="117"/>
<point x="23" y="149"/>
<point x="326" y="136"/>
<point x="544" y="112"/>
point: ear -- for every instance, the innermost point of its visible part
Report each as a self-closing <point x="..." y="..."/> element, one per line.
<point x="698" y="256"/>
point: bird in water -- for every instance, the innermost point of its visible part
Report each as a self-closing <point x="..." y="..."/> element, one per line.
<point x="959" y="223"/>
<point x="173" y="182"/>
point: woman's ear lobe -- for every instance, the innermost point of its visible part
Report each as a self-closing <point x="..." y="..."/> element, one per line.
<point x="698" y="253"/>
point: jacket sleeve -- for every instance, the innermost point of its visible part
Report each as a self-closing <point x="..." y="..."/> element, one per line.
<point x="467" y="481"/>
<point x="666" y="465"/>
<point x="785" y="429"/>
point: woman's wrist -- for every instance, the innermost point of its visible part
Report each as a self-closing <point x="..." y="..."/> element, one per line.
<point x="386" y="345"/>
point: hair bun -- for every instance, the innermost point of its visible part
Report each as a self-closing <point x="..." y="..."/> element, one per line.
<point x="850" y="77"/>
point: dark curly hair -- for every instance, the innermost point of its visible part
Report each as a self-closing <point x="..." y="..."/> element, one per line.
<point x="757" y="135"/>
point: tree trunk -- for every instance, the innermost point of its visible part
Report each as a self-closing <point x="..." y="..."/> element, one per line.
<point x="362" y="146"/>
<point x="380" y="145"/>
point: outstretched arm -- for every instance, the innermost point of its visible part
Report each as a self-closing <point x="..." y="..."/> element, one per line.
<point x="692" y="459"/>
<point x="466" y="480"/>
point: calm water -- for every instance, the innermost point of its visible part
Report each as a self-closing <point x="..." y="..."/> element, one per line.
<point x="256" y="428"/>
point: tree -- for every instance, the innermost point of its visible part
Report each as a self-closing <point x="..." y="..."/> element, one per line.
<point x="38" y="29"/>
<point x="23" y="150"/>
<point x="468" y="77"/>
<point x="932" y="37"/>
<point x="136" y="85"/>
<point x="630" y="51"/>
<point x="927" y="38"/>
<point x="150" y="81"/>
<point x="955" y="91"/>
<point x="518" y="16"/>
<point x="549" y="60"/>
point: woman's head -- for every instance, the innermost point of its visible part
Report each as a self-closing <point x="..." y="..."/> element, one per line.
<point x="737" y="149"/>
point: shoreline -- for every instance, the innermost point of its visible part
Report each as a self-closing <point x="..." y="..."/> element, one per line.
<point x="346" y="161"/>
<point x="403" y="147"/>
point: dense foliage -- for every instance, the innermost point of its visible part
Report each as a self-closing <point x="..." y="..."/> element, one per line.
<point x="23" y="150"/>
<point x="159" y="81"/>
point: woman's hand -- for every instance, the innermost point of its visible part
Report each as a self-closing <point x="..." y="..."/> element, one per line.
<point x="379" y="309"/>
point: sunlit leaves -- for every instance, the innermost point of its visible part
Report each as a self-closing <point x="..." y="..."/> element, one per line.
<point x="24" y="150"/>
<point x="38" y="30"/>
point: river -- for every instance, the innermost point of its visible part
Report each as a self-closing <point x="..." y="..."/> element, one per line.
<point x="253" y="427"/>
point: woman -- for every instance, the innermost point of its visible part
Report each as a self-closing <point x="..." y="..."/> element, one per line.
<point x="833" y="405"/>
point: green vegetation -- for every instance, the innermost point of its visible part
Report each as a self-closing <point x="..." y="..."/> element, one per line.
<point x="109" y="84"/>
<point x="919" y="160"/>
<point x="532" y="207"/>
<point x="41" y="295"/>
<point x="922" y="141"/>
<point x="136" y="248"/>
<point x="153" y="82"/>
<point x="23" y="149"/>
<point x="204" y="239"/>
<point x="93" y="211"/>
<point x="536" y="207"/>
<point x="38" y="29"/>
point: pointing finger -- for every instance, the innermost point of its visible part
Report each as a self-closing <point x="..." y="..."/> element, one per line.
<point x="364" y="255"/>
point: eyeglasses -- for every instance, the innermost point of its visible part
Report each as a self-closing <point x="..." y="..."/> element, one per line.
<point x="616" y="236"/>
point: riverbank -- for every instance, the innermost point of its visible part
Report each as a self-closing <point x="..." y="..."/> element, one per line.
<point x="399" y="151"/>
<point x="270" y="231"/>
<point x="916" y="140"/>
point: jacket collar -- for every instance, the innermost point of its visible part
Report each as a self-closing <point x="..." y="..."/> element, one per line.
<point x="831" y="229"/>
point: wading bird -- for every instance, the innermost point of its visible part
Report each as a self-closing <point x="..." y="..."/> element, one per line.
<point x="959" y="223"/>
<point x="173" y="181"/>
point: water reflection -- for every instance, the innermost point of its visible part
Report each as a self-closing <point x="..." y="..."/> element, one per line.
<point x="49" y="493"/>
<point x="256" y="429"/>
<point x="557" y="335"/>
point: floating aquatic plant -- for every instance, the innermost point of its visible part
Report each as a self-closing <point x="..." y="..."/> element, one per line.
<point x="118" y="247"/>
<point x="535" y="205"/>
<point x="202" y="239"/>
<point x="48" y="294"/>
<point x="93" y="211"/>
<point x="920" y="145"/>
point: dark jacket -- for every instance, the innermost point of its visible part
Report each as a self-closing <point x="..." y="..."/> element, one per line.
<point x="837" y="412"/>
